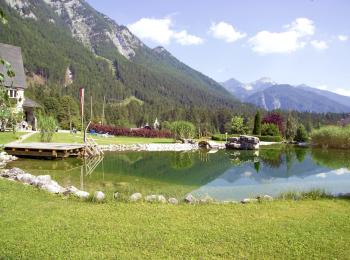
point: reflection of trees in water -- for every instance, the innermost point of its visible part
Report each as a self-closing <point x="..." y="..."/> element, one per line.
<point x="182" y="160"/>
<point x="301" y="154"/>
<point x="271" y="157"/>
<point x="334" y="159"/>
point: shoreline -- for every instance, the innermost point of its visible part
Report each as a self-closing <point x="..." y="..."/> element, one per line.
<point x="166" y="147"/>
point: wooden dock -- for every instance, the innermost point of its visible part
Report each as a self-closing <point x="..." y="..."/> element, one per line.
<point x="46" y="150"/>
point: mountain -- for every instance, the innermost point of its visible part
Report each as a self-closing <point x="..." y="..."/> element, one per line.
<point x="243" y="91"/>
<point x="270" y="95"/>
<point x="344" y="100"/>
<point x="67" y="44"/>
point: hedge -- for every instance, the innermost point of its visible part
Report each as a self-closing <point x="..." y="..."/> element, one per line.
<point x="139" y="132"/>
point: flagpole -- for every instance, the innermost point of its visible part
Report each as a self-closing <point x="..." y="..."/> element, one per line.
<point x="81" y="92"/>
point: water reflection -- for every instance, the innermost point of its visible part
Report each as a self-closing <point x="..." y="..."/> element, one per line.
<point x="223" y="175"/>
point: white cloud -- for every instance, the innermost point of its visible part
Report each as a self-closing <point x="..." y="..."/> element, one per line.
<point x="225" y="31"/>
<point x="290" y="40"/>
<point x="161" y="31"/>
<point x="322" y="87"/>
<point x="340" y="91"/>
<point x="343" y="38"/>
<point x="319" y="45"/>
<point x="187" y="39"/>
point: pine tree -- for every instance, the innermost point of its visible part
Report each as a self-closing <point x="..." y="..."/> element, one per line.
<point x="257" y="124"/>
<point x="301" y="135"/>
<point x="291" y="127"/>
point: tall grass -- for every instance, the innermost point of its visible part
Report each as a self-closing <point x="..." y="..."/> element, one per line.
<point x="332" y="137"/>
<point x="314" y="194"/>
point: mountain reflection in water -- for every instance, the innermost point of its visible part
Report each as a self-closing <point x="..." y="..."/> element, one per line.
<point x="225" y="175"/>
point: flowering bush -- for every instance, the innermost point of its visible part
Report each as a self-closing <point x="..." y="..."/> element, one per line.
<point x="139" y="132"/>
<point x="276" y="119"/>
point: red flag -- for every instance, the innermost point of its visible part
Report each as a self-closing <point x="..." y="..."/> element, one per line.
<point x="82" y="93"/>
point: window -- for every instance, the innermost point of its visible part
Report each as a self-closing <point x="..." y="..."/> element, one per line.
<point x="12" y="93"/>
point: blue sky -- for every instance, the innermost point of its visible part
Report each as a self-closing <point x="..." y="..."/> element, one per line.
<point x="296" y="41"/>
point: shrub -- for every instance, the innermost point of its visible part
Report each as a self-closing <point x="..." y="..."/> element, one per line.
<point x="221" y="137"/>
<point x="268" y="129"/>
<point x="183" y="129"/>
<point x="276" y="119"/>
<point x="301" y="135"/>
<point x="332" y="137"/>
<point x="47" y="126"/>
<point x="119" y="131"/>
<point x="237" y="125"/>
<point x="270" y="138"/>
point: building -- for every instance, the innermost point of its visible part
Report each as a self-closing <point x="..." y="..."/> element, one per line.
<point x="17" y="85"/>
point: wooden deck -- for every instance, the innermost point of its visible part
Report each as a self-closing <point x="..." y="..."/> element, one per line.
<point x="46" y="150"/>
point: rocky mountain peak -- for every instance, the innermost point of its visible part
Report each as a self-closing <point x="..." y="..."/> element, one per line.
<point x="87" y="25"/>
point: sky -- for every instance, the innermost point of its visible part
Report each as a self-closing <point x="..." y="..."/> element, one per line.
<point x="291" y="41"/>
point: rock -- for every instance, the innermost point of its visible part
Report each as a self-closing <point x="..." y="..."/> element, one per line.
<point x="161" y="199"/>
<point x="12" y="173"/>
<point x="99" y="196"/>
<point x="136" y="197"/>
<point x="53" y="188"/>
<point x="246" y="201"/>
<point x="190" y="199"/>
<point x="26" y="178"/>
<point x="173" y="201"/>
<point x="70" y="190"/>
<point x="206" y="199"/>
<point x="244" y="142"/>
<point x="82" y="194"/>
<point x="151" y="198"/>
<point x="267" y="197"/>
<point x="115" y="195"/>
<point x="42" y="180"/>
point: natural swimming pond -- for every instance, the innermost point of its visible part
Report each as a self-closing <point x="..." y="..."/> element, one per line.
<point x="224" y="175"/>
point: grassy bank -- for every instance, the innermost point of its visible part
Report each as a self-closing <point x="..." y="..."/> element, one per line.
<point x="78" y="138"/>
<point x="332" y="137"/>
<point x="37" y="225"/>
<point x="8" y="137"/>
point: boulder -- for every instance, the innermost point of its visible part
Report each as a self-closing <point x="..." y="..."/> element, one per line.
<point x="26" y="178"/>
<point x="115" y="195"/>
<point x="42" y="180"/>
<point x="173" y="201"/>
<point x="161" y="199"/>
<point x="136" y="197"/>
<point x="12" y="173"/>
<point x="244" y="142"/>
<point x="99" y="196"/>
<point x="206" y="199"/>
<point x="82" y="194"/>
<point x="53" y="188"/>
<point x="70" y="190"/>
<point x="247" y="201"/>
<point x="151" y="198"/>
<point x="190" y="199"/>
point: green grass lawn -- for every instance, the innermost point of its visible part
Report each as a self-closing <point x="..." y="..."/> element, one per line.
<point x="37" y="225"/>
<point x="77" y="138"/>
<point x="7" y="137"/>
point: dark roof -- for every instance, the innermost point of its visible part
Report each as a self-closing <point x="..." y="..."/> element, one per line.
<point x="13" y="55"/>
<point x="30" y="103"/>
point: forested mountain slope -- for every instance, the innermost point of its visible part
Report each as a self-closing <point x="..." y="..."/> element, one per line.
<point x="68" y="44"/>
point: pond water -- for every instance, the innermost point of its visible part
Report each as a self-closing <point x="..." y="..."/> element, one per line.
<point x="225" y="175"/>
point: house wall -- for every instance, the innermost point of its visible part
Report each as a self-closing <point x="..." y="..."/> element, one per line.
<point x="19" y="98"/>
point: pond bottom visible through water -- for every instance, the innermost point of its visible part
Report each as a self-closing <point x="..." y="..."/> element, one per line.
<point x="225" y="175"/>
